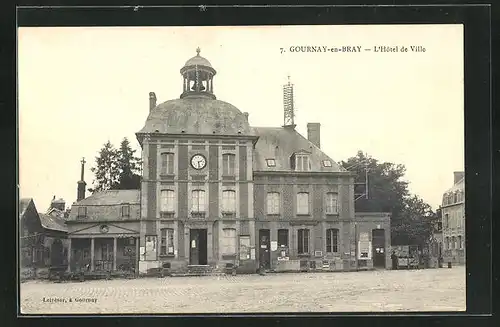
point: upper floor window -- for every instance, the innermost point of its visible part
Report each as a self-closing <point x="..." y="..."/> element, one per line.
<point x="228" y="164"/>
<point x="228" y="241"/>
<point x="327" y="163"/>
<point x="303" y="241"/>
<point x="332" y="236"/>
<point x="331" y="203"/>
<point x="167" y="201"/>
<point x="167" y="163"/>
<point x="455" y="197"/>
<point x="126" y="210"/>
<point x="82" y="212"/>
<point x="229" y="201"/>
<point x="446" y="220"/>
<point x="460" y="244"/>
<point x="273" y="203"/>
<point x="271" y="162"/>
<point x="167" y="241"/>
<point x="302" y="203"/>
<point x="198" y="204"/>
<point x="302" y="162"/>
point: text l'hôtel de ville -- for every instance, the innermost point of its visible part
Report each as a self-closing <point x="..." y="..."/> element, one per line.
<point x="353" y="48"/>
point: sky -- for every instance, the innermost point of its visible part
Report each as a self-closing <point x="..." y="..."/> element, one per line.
<point x="79" y="87"/>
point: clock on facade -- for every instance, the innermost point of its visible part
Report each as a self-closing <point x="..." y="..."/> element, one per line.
<point x="198" y="161"/>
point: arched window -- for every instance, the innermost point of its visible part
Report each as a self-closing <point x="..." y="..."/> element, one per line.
<point x="332" y="238"/>
<point x="331" y="203"/>
<point x="229" y="201"/>
<point x="167" y="201"/>
<point x="302" y="203"/>
<point x="273" y="203"/>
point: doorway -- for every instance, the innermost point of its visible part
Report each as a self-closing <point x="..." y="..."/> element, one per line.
<point x="56" y="253"/>
<point x="264" y="249"/>
<point x="198" y="247"/>
<point x="378" y="245"/>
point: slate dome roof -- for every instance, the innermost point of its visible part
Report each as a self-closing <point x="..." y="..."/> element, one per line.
<point x="198" y="60"/>
<point x="197" y="115"/>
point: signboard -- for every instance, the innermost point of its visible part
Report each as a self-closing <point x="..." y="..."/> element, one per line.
<point x="274" y="245"/>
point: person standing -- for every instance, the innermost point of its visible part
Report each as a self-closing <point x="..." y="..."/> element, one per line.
<point x="394" y="259"/>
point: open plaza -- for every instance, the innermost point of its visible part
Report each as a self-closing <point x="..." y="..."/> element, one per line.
<point x="364" y="291"/>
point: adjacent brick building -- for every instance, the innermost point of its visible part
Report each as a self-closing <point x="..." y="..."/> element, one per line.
<point x="217" y="191"/>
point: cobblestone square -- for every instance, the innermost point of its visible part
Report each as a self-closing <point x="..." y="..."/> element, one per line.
<point x="376" y="291"/>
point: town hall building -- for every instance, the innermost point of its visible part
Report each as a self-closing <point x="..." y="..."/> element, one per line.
<point x="216" y="191"/>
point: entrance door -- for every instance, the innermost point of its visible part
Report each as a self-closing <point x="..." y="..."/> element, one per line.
<point x="264" y="249"/>
<point x="378" y="245"/>
<point x="198" y="247"/>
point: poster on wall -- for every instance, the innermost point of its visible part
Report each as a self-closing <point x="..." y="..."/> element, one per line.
<point x="244" y="247"/>
<point x="252" y="254"/>
<point x="364" y="246"/>
<point x="274" y="245"/>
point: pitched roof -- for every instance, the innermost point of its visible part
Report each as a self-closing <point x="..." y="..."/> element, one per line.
<point x="52" y="222"/>
<point x="23" y="204"/>
<point x="280" y="143"/>
<point x="111" y="197"/>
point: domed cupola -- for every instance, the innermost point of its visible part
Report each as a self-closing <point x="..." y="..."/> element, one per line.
<point x="198" y="77"/>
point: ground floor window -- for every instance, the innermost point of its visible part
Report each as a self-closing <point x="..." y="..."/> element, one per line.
<point x="282" y="237"/>
<point x="303" y="241"/>
<point x="244" y="247"/>
<point x="167" y="241"/>
<point x="228" y="241"/>
<point x="332" y="236"/>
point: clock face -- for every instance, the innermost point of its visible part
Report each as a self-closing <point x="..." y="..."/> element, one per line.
<point x="198" y="161"/>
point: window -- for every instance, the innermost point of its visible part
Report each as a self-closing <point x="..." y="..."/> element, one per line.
<point x="271" y="162"/>
<point x="126" y="211"/>
<point x="302" y="163"/>
<point x="455" y="197"/>
<point x="332" y="236"/>
<point x="198" y="201"/>
<point x="228" y="241"/>
<point x="167" y="163"/>
<point x="303" y="241"/>
<point x="167" y="201"/>
<point x="82" y="212"/>
<point x="302" y="203"/>
<point x="283" y="238"/>
<point x="273" y="203"/>
<point x="327" y="163"/>
<point x="228" y="201"/>
<point x="228" y="164"/>
<point x="453" y="242"/>
<point x="460" y="245"/>
<point x="446" y="220"/>
<point x="150" y="249"/>
<point x="167" y="241"/>
<point x="447" y="243"/>
<point x="331" y="203"/>
<point x="244" y="247"/>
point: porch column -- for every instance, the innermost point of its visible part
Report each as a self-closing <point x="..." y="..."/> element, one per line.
<point x="69" y="255"/>
<point x="114" y="252"/>
<point x="92" y="254"/>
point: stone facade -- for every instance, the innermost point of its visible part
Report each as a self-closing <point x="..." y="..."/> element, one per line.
<point x="453" y="221"/>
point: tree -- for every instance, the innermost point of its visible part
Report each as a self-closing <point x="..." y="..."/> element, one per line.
<point x="129" y="167"/>
<point x="106" y="169"/>
<point x="388" y="192"/>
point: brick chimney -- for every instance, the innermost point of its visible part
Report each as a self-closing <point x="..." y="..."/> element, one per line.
<point x="313" y="133"/>
<point x="457" y="176"/>
<point x="152" y="100"/>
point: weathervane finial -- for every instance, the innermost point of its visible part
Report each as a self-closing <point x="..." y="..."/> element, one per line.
<point x="198" y="51"/>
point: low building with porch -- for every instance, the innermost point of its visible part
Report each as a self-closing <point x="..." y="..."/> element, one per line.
<point x="103" y="231"/>
<point x="43" y="241"/>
